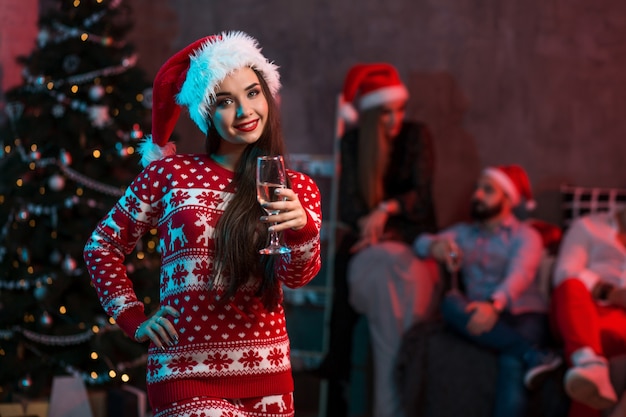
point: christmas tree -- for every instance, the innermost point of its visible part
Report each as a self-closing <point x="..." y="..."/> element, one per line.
<point x="67" y="151"/>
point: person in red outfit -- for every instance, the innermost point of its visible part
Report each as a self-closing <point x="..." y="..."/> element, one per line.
<point x="219" y="344"/>
<point x="589" y="307"/>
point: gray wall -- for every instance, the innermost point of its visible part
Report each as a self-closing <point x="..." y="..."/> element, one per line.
<point x="535" y="82"/>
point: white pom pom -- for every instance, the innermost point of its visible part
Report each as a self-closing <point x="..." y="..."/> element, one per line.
<point x="348" y="113"/>
<point x="150" y="151"/>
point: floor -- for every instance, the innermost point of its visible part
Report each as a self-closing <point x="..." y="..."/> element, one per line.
<point x="308" y="402"/>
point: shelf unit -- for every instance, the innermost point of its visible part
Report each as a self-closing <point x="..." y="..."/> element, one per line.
<point x="308" y="308"/>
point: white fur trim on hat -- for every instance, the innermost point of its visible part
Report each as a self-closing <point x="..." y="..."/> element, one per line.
<point x="150" y="151"/>
<point x="510" y="189"/>
<point x="382" y="96"/>
<point x="214" y="61"/>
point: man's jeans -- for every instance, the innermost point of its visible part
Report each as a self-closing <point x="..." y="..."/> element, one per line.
<point x="512" y="337"/>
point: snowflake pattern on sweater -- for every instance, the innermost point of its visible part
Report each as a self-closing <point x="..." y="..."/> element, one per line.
<point x="232" y="350"/>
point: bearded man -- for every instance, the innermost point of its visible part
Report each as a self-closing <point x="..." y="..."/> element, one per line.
<point x="498" y="303"/>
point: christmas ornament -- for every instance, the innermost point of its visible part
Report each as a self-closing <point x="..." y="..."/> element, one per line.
<point x="56" y="182"/>
<point x="26" y="382"/>
<point x="121" y="149"/>
<point x="71" y="201"/>
<point x="96" y="92"/>
<point x="136" y="133"/>
<point x="106" y="40"/>
<point x="14" y="110"/>
<point x="42" y="37"/>
<point x="55" y="257"/>
<point x="40" y="292"/>
<point x="58" y="111"/>
<point x="46" y="319"/>
<point x="23" y="215"/>
<point x="71" y="63"/>
<point x="69" y="264"/>
<point x="101" y="321"/>
<point x="147" y="98"/>
<point x="24" y="255"/>
<point x="99" y="116"/>
<point x="65" y="157"/>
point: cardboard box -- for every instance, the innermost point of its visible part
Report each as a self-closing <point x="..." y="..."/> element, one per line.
<point x="11" y="410"/>
<point x="28" y="409"/>
<point x="127" y="401"/>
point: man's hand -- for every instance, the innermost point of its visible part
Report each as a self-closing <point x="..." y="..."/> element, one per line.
<point x="484" y="317"/>
<point x="447" y="252"/>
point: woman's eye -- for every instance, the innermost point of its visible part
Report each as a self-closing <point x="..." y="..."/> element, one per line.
<point x="224" y="102"/>
<point x="254" y="92"/>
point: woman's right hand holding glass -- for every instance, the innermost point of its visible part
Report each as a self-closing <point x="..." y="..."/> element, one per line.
<point x="289" y="211"/>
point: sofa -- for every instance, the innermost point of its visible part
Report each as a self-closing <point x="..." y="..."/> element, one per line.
<point x="440" y="374"/>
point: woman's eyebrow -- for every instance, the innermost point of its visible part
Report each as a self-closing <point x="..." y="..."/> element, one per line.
<point x="227" y="93"/>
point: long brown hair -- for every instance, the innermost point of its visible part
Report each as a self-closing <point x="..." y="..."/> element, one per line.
<point x="373" y="156"/>
<point x="235" y="257"/>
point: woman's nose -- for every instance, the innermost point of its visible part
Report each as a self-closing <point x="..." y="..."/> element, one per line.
<point x="242" y="111"/>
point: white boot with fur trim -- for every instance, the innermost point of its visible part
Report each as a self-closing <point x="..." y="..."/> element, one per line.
<point x="588" y="381"/>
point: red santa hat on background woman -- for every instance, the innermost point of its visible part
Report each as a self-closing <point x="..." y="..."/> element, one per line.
<point x="370" y="85"/>
<point x="190" y="79"/>
<point x="515" y="183"/>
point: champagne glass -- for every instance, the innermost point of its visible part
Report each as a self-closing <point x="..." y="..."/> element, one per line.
<point x="270" y="175"/>
<point x="454" y="265"/>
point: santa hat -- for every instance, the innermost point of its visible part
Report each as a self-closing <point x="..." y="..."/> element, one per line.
<point x="370" y="85"/>
<point x="515" y="183"/>
<point x="190" y="78"/>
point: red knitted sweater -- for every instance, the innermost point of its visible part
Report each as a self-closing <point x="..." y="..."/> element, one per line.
<point x="233" y="350"/>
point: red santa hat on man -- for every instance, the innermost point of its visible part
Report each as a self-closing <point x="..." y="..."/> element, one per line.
<point x="190" y="79"/>
<point x="515" y="183"/>
<point x="370" y="85"/>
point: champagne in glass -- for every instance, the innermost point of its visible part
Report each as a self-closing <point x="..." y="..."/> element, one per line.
<point x="266" y="193"/>
<point x="270" y="175"/>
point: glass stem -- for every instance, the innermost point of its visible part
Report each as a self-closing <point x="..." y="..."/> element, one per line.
<point x="274" y="241"/>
